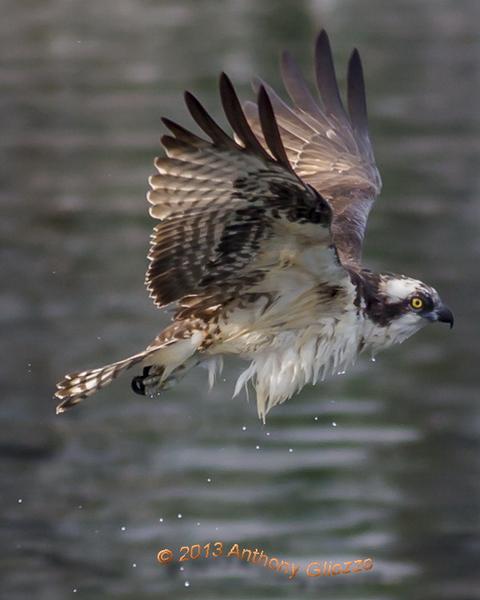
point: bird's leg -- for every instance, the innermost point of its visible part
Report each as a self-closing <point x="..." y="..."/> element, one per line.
<point x="151" y="381"/>
<point x="138" y="382"/>
<point x="154" y="382"/>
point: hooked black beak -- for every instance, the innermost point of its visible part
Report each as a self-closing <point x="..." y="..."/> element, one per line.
<point x="445" y="315"/>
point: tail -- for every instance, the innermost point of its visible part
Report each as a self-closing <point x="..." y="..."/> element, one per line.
<point x="166" y="354"/>
<point x="75" y="387"/>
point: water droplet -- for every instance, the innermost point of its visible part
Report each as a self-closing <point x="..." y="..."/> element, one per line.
<point x="179" y="516"/>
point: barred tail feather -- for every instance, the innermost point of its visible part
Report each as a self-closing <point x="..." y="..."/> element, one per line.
<point x="75" y="387"/>
<point x="173" y="348"/>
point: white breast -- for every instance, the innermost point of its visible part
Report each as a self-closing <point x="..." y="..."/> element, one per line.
<point x="308" y="330"/>
<point x="297" y="357"/>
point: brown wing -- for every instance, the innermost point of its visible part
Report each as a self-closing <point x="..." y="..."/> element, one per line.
<point x="329" y="148"/>
<point x="220" y="202"/>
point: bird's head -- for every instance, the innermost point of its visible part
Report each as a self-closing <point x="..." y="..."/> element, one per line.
<point x="407" y="304"/>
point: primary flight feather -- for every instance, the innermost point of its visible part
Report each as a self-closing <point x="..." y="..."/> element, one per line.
<point x="259" y="244"/>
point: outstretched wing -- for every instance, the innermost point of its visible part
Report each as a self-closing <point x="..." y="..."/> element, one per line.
<point x="329" y="148"/>
<point x="225" y="206"/>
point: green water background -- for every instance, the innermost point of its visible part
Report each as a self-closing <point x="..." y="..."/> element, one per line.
<point x="383" y="462"/>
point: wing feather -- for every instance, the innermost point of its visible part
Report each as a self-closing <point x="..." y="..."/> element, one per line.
<point x="270" y="129"/>
<point x="297" y="87"/>
<point x="236" y="117"/>
<point x="328" y="148"/>
<point x="206" y="123"/>
<point x="326" y="78"/>
<point x="219" y="202"/>
<point x="357" y="102"/>
<point x="180" y="133"/>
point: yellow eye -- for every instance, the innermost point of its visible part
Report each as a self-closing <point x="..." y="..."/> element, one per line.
<point x="416" y="303"/>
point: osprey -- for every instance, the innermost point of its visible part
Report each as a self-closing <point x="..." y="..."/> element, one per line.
<point x="259" y="244"/>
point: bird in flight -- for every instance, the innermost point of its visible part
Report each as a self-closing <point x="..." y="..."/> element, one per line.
<point x="259" y="240"/>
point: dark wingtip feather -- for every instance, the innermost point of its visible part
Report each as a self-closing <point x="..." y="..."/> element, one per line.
<point x="296" y="85"/>
<point x="270" y="129"/>
<point x="236" y="117"/>
<point x="181" y="133"/>
<point x="325" y="73"/>
<point x="357" y="103"/>
<point x="205" y="121"/>
<point x="170" y="142"/>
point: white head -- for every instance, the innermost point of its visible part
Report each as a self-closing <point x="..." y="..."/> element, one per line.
<point x="398" y="306"/>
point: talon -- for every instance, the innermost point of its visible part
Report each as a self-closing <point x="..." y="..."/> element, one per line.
<point x="137" y="384"/>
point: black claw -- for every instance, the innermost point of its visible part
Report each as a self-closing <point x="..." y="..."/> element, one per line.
<point x="137" y="384"/>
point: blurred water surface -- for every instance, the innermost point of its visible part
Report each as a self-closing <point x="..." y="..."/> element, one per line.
<point x="382" y="462"/>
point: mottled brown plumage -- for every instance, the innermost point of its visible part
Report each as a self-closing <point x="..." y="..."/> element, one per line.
<point x="259" y="243"/>
<point x="218" y="201"/>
